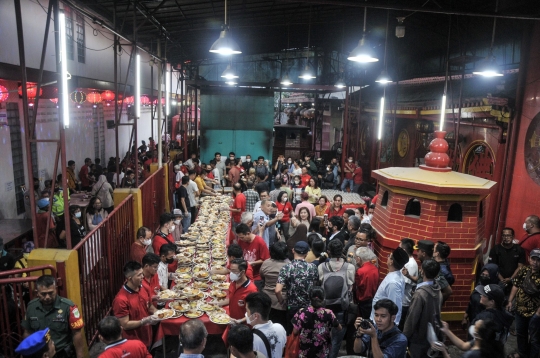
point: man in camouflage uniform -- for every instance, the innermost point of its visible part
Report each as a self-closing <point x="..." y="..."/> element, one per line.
<point x="58" y="314"/>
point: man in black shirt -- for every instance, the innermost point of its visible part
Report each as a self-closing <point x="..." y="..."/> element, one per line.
<point x="183" y="203"/>
<point x="509" y="257"/>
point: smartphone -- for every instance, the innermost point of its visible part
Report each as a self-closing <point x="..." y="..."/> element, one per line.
<point x="261" y="221"/>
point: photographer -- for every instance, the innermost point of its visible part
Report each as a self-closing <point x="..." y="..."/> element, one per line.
<point x="386" y="340"/>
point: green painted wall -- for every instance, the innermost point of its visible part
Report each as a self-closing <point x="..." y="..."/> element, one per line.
<point x="237" y="120"/>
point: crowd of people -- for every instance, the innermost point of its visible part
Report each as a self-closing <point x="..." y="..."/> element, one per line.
<point x="304" y="269"/>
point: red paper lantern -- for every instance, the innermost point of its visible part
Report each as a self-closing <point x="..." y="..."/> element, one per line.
<point x="54" y="100"/>
<point x="145" y="101"/>
<point x="129" y="100"/>
<point x="4" y="94"/>
<point x="78" y="97"/>
<point x="162" y="101"/>
<point x="31" y="90"/>
<point x="107" y="96"/>
<point x="93" y="97"/>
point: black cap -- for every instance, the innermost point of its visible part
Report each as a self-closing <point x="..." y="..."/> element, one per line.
<point x="301" y="247"/>
<point x="493" y="292"/>
<point x="400" y="258"/>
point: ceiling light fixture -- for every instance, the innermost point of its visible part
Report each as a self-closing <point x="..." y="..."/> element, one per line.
<point x="225" y="45"/>
<point x="363" y="53"/>
<point x="340" y="83"/>
<point x="383" y="77"/>
<point x="307" y="74"/>
<point x="286" y="81"/>
<point x="488" y="67"/>
<point x="229" y="73"/>
<point x="63" y="70"/>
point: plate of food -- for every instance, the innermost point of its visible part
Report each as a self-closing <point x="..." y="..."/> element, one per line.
<point x="199" y="296"/>
<point x="201" y="260"/>
<point x="180" y="306"/>
<point x="218" y="278"/>
<point x="168" y="295"/>
<point x="202" y="285"/>
<point x="201" y="275"/>
<point x="221" y="285"/>
<point x="209" y="308"/>
<point x="180" y="285"/>
<point x="219" y="318"/>
<point x="190" y="291"/>
<point x="200" y="268"/>
<point x="218" y="294"/>
<point x="193" y="313"/>
<point x="183" y="269"/>
<point x="167" y="313"/>
<point x="219" y="262"/>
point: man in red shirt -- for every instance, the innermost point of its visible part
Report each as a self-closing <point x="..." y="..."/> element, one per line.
<point x="165" y="236"/>
<point x="234" y="251"/>
<point x="366" y="280"/>
<point x="132" y="306"/>
<point x="531" y="239"/>
<point x="348" y="169"/>
<point x="83" y="175"/>
<point x="234" y="173"/>
<point x="238" y="206"/>
<point x="138" y="248"/>
<point x="240" y="287"/>
<point x="304" y="178"/>
<point x="357" y="178"/>
<point x="150" y="282"/>
<point x="254" y="248"/>
<point x="336" y="209"/>
<point x="110" y="333"/>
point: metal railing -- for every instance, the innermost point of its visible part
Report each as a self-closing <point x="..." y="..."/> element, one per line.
<point x="15" y="293"/>
<point x="102" y="255"/>
<point x="153" y="199"/>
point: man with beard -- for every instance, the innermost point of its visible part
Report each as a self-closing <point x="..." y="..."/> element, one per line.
<point x="509" y="257"/>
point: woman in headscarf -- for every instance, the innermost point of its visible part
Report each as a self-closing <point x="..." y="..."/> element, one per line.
<point x="488" y="275"/>
<point x="299" y="235"/>
<point x="103" y="190"/>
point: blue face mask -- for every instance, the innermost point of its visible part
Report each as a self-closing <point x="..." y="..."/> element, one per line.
<point x="78" y="215"/>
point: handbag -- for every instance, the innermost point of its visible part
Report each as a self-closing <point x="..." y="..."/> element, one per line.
<point x="292" y="347"/>
<point x="529" y="287"/>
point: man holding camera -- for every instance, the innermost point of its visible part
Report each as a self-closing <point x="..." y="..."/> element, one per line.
<point x="383" y="340"/>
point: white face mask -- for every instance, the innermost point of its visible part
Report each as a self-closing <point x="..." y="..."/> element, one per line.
<point x="328" y="168"/>
<point x="350" y="160"/>
<point x="289" y="161"/>
<point x="147" y="242"/>
<point x="248" y="160"/>
<point x="248" y="320"/>
<point x="370" y="216"/>
<point x="231" y="158"/>
<point x="472" y="331"/>
<point x="284" y="199"/>
<point x="525" y="226"/>
<point x="234" y="277"/>
<point x="78" y="215"/>
<point x="171" y="229"/>
<point x="177" y="222"/>
<point x="297" y="182"/>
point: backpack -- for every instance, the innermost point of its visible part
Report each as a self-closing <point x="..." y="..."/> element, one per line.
<point x="334" y="284"/>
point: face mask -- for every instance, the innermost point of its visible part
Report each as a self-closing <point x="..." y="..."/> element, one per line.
<point x="370" y="216"/>
<point x="248" y="160"/>
<point x="525" y="226"/>
<point x="147" y="242"/>
<point x="289" y="161"/>
<point x="350" y="160"/>
<point x="47" y="199"/>
<point x="284" y="199"/>
<point x="170" y="261"/>
<point x="231" y="158"/>
<point x="328" y="168"/>
<point x="234" y="277"/>
<point x="248" y="320"/>
<point x="484" y="280"/>
<point x="297" y="182"/>
<point x="78" y="215"/>
<point x="171" y="229"/>
<point x="472" y="331"/>
<point x="177" y="222"/>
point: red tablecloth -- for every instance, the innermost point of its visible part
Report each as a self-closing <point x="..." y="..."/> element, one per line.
<point x="171" y="327"/>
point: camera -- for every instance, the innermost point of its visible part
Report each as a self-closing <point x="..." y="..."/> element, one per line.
<point x="365" y="324"/>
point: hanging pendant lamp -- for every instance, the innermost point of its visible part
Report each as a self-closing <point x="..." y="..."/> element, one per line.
<point x="229" y="74"/>
<point x="286" y="81"/>
<point x="225" y="45"/>
<point x="363" y="52"/>
<point x="307" y="74"/>
<point x="488" y="67"/>
<point x="383" y="77"/>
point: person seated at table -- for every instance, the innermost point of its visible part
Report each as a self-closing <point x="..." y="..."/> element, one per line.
<point x="95" y="213"/>
<point x="234" y="251"/>
<point x="77" y="229"/>
<point x="193" y="335"/>
<point x="110" y="333"/>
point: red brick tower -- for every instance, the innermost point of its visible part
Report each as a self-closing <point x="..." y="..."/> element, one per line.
<point x="433" y="202"/>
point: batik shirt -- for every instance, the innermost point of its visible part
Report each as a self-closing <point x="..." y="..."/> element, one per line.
<point x="315" y="326"/>
<point x="526" y="305"/>
<point x="298" y="278"/>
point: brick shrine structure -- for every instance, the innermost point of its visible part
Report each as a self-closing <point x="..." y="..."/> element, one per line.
<point x="432" y="202"/>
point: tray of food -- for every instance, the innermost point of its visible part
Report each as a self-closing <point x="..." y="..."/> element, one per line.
<point x="167" y="313"/>
<point x="218" y="278"/>
<point x="218" y="294"/>
<point x="193" y="313"/>
<point x="202" y="285"/>
<point x="219" y="318"/>
<point x="180" y="306"/>
<point x="221" y="285"/>
<point x="169" y="295"/>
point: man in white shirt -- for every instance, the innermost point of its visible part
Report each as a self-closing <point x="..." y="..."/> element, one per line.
<point x="268" y="338"/>
<point x="412" y="267"/>
<point x="189" y="163"/>
<point x="166" y="254"/>
<point x="263" y="195"/>
<point x="193" y="193"/>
